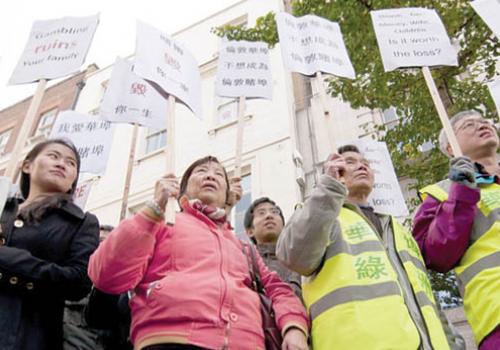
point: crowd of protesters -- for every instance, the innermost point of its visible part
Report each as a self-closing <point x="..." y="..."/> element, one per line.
<point x="338" y="274"/>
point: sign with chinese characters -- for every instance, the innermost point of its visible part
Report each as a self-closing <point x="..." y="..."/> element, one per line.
<point x="489" y="11"/>
<point x="494" y="88"/>
<point x="82" y="192"/>
<point x="243" y="70"/>
<point x="91" y="136"/>
<point x="311" y="44"/>
<point x="386" y="197"/>
<point x="131" y="99"/>
<point x="55" y="48"/>
<point x="412" y="37"/>
<point x="162" y="60"/>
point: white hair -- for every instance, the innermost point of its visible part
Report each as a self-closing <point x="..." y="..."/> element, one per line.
<point x="443" y="139"/>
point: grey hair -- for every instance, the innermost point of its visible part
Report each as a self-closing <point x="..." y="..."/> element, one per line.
<point x="443" y="139"/>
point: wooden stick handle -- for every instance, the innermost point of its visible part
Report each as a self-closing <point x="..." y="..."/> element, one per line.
<point x="326" y="111"/>
<point x="239" y="136"/>
<point x="128" y="176"/>
<point x="25" y="129"/>
<point x="170" y="209"/>
<point x="438" y="103"/>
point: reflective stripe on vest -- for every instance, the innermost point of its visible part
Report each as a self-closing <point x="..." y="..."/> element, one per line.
<point x="357" y="280"/>
<point x="478" y="271"/>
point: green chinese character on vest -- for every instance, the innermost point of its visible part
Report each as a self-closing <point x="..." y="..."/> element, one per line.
<point x="372" y="268"/>
<point x="357" y="231"/>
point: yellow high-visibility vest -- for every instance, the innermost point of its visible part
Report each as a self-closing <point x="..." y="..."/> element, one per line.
<point x="478" y="270"/>
<point x="356" y="301"/>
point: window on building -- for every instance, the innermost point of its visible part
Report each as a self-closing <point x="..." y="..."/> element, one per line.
<point x="155" y="139"/>
<point x="4" y="138"/>
<point x="45" y="122"/>
<point x="238" y="212"/>
<point x="227" y="110"/>
<point x="390" y="117"/>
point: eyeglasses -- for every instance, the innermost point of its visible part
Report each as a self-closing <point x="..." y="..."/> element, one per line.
<point x="263" y="212"/>
<point x="473" y="124"/>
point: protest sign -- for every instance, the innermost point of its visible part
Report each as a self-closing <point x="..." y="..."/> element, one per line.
<point x="386" y="196"/>
<point x="55" y="48"/>
<point x="162" y="60"/>
<point x="311" y="44"/>
<point x="416" y="37"/>
<point x="243" y="70"/>
<point x="494" y="88"/>
<point x="5" y="184"/>
<point x="412" y="37"/>
<point x="489" y="11"/>
<point x="91" y="136"/>
<point x="82" y="192"/>
<point x="131" y="99"/>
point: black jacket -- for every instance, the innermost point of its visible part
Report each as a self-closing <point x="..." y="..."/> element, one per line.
<point x="41" y="266"/>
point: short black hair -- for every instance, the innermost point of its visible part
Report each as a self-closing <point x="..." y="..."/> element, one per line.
<point x="107" y="228"/>
<point x="348" y="148"/>
<point x="248" y="220"/>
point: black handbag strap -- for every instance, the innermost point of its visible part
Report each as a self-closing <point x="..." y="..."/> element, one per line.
<point x="253" y="268"/>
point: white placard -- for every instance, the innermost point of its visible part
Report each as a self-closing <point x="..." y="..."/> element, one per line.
<point x="91" y="136"/>
<point x="162" y="60"/>
<point x="243" y="70"/>
<point x="311" y="44"/>
<point x="131" y="99"/>
<point x="489" y="11"/>
<point x="494" y="88"/>
<point x="5" y="184"/>
<point x="386" y="197"/>
<point x="55" y="48"/>
<point x="412" y="37"/>
<point x="82" y="192"/>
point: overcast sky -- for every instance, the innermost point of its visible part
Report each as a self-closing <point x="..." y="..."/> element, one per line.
<point x="115" y="35"/>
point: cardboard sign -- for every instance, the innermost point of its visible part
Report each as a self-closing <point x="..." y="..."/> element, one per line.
<point x="82" y="192"/>
<point x="311" y="44"/>
<point x="494" y="88"/>
<point x="489" y="11"/>
<point x="412" y="37"/>
<point x="162" y="60"/>
<point x="55" y="48"/>
<point x="91" y="136"/>
<point x="131" y="99"/>
<point x="243" y="70"/>
<point x="386" y="196"/>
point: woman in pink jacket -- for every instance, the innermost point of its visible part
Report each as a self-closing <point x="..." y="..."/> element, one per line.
<point x="190" y="282"/>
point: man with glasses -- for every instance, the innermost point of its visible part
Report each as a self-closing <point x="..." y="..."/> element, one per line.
<point x="366" y="285"/>
<point x="263" y="223"/>
<point x="458" y="224"/>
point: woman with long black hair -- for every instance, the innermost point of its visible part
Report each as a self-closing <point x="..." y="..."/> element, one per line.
<point x="45" y="244"/>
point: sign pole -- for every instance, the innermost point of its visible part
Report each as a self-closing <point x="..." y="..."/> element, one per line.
<point x="128" y="177"/>
<point x="326" y="110"/>
<point x="12" y="166"/>
<point x="239" y="136"/>
<point x="438" y="103"/>
<point x="170" y="210"/>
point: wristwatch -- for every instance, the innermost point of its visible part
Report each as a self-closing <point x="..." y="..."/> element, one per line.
<point x="157" y="210"/>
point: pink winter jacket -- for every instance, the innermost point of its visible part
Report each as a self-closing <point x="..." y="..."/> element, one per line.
<point x="190" y="284"/>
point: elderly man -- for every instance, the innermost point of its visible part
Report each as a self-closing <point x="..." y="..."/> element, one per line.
<point x="367" y="286"/>
<point x="457" y="226"/>
<point x="263" y="223"/>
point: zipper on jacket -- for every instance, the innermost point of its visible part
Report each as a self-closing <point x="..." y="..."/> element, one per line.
<point x="226" y="335"/>
<point x="390" y="247"/>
